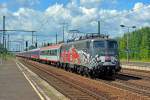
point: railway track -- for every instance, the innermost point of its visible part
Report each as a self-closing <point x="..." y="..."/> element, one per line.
<point x="122" y="82"/>
<point x="137" y="85"/>
<point x="141" y="64"/>
<point x="68" y="88"/>
<point x="80" y="88"/>
<point x="136" y="73"/>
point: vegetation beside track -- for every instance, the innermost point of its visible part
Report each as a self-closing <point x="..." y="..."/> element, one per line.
<point x="139" y="45"/>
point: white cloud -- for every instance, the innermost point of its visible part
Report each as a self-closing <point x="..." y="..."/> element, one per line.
<point x="3" y="9"/>
<point x="90" y="11"/>
<point x="138" y="6"/>
<point x="25" y="18"/>
<point x="90" y="3"/>
<point x="78" y="16"/>
<point x="3" y="5"/>
<point x="58" y="12"/>
<point x="27" y="2"/>
<point x="74" y="8"/>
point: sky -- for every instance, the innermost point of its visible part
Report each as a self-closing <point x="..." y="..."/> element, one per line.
<point x="46" y="17"/>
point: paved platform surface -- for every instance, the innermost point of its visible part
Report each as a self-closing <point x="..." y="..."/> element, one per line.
<point x="136" y="67"/>
<point x="13" y="85"/>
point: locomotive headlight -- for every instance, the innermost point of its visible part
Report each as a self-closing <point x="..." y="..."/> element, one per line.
<point x="113" y="59"/>
<point x="102" y="58"/>
<point x="98" y="58"/>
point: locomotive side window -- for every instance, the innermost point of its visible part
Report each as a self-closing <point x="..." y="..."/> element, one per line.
<point x="99" y="44"/>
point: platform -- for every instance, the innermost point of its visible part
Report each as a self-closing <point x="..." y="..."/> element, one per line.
<point x="13" y="84"/>
<point x="136" y="67"/>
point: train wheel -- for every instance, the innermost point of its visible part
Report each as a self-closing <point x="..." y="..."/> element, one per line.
<point x="75" y="70"/>
<point x="92" y="74"/>
<point x="61" y="65"/>
<point x="78" y="70"/>
<point x="58" y="64"/>
<point x="66" y="67"/>
<point x="86" y="71"/>
<point x="82" y="71"/>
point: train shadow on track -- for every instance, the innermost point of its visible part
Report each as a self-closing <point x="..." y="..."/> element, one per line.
<point x="127" y="77"/>
<point x="120" y="76"/>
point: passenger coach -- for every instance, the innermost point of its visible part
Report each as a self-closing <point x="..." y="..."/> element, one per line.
<point x="50" y="54"/>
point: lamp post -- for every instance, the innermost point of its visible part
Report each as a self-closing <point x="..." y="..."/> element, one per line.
<point x="127" y="46"/>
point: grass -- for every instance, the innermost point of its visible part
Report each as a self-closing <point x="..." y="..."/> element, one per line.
<point x="6" y="56"/>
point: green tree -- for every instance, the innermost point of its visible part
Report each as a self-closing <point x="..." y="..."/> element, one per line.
<point x="139" y="44"/>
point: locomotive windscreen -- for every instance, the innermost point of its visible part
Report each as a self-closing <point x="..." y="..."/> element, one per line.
<point x="105" y="44"/>
<point x="112" y="44"/>
<point x="112" y="48"/>
<point x="105" y="47"/>
<point x="99" y="44"/>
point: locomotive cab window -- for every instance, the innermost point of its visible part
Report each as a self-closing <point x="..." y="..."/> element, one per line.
<point x="99" y="44"/>
<point x="112" y="44"/>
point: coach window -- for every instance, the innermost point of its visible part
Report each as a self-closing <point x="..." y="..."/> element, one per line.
<point x="45" y="52"/>
<point x="42" y="52"/>
<point x="55" y="52"/>
<point x="52" y="52"/>
<point x="49" y="52"/>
